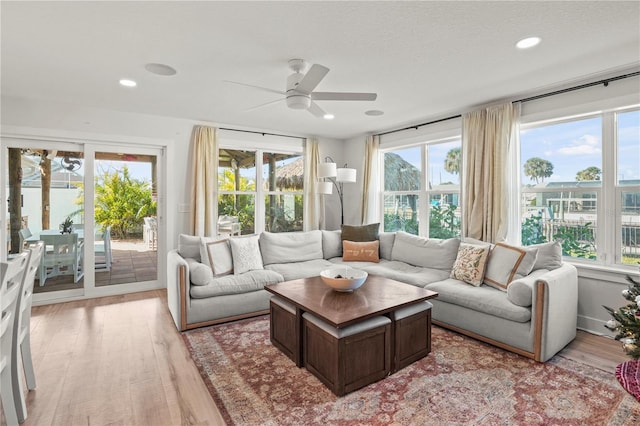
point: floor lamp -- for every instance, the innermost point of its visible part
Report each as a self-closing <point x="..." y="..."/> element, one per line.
<point x="336" y="176"/>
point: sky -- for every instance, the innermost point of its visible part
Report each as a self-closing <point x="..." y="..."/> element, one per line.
<point x="576" y="145"/>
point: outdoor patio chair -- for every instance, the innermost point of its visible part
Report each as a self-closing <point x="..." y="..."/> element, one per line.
<point x="24" y="233"/>
<point x="102" y="250"/>
<point x="228" y="225"/>
<point x="65" y="257"/>
<point x="150" y="232"/>
<point x="11" y="273"/>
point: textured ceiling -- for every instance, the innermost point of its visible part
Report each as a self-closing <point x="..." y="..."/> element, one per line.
<point x="424" y="59"/>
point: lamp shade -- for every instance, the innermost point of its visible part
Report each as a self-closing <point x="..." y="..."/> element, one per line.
<point x="346" y="175"/>
<point x="326" y="170"/>
<point x="325" y="188"/>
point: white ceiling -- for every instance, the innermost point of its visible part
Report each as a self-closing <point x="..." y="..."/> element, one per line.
<point x="425" y="60"/>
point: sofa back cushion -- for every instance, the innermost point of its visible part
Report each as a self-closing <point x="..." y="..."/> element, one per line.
<point x="426" y="252"/>
<point x="386" y="244"/>
<point x="189" y="247"/>
<point x="331" y="244"/>
<point x="287" y="247"/>
<point x="549" y="255"/>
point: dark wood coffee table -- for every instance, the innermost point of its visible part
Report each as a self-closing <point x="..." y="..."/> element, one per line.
<point x="378" y="296"/>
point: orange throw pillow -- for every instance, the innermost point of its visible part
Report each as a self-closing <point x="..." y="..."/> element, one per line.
<point x="360" y="251"/>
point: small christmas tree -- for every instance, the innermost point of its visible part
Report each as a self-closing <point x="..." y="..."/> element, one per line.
<point x="626" y="320"/>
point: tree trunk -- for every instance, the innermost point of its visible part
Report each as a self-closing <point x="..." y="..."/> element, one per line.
<point x="45" y="183"/>
<point x="15" y="198"/>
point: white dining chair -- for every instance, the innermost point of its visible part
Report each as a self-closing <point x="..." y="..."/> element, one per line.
<point x="22" y="332"/>
<point x="102" y="249"/>
<point x="65" y="257"/>
<point x="11" y="273"/>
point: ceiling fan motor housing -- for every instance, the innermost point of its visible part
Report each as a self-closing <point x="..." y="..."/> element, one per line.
<point x="295" y="99"/>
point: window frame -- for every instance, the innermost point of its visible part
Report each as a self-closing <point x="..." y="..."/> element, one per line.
<point x="260" y="194"/>
<point x="609" y="193"/>
<point x="424" y="193"/>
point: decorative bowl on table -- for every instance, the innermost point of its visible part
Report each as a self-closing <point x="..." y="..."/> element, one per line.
<point x="343" y="279"/>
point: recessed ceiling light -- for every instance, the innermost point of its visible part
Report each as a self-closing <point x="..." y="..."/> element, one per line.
<point x="528" y="42"/>
<point x="374" y="112"/>
<point x="328" y="116"/>
<point x="160" y="69"/>
<point x="128" y="83"/>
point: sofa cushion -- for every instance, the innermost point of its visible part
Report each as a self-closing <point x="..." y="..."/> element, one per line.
<point x="360" y="233"/>
<point x="246" y="254"/>
<point x="504" y="261"/>
<point x="471" y="263"/>
<point x="400" y="271"/>
<point x="236" y="284"/>
<point x="294" y="271"/>
<point x="483" y="299"/>
<point x="386" y="244"/>
<point x="199" y="273"/>
<point x="331" y="244"/>
<point x="219" y="257"/>
<point x="365" y="251"/>
<point x="426" y="252"/>
<point x="189" y="246"/>
<point x="287" y="247"/>
<point x="549" y="255"/>
<point x="520" y="291"/>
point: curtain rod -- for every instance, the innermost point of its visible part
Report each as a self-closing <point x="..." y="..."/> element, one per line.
<point x="604" y="81"/>
<point x="260" y="133"/>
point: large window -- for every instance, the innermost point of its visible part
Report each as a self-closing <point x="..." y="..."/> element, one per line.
<point x="405" y="194"/>
<point x="580" y="180"/>
<point x="280" y="189"/>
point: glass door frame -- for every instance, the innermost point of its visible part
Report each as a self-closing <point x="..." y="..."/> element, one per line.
<point x="89" y="148"/>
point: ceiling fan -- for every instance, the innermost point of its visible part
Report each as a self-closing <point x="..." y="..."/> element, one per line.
<point x="300" y="94"/>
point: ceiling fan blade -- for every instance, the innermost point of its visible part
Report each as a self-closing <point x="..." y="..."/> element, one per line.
<point x="312" y="78"/>
<point x="343" y="96"/>
<point x="316" y="110"/>
<point x="266" y="89"/>
<point x="264" y="105"/>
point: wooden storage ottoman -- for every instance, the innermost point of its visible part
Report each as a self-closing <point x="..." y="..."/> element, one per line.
<point x="412" y="334"/>
<point x="285" y="328"/>
<point x="349" y="358"/>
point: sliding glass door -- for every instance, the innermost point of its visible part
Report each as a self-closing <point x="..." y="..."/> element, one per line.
<point x="95" y="207"/>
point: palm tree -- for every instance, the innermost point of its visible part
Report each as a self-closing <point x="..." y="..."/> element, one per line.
<point x="538" y="168"/>
<point x="452" y="161"/>
<point x="590" y="173"/>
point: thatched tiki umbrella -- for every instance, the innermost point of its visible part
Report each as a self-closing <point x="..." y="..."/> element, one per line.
<point x="291" y="176"/>
<point x="400" y="175"/>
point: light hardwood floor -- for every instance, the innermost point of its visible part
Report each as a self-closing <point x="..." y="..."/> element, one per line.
<point x="120" y="360"/>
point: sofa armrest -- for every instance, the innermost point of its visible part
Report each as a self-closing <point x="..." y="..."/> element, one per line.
<point x="178" y="283"/>
<point x="555" y="311"/>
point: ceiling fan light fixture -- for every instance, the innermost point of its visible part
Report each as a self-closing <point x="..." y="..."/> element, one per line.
<point x="299" y="101"/>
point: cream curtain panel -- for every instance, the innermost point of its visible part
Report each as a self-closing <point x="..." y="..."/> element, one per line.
<point x="487" y="136"/>
<point x="205" y="181"/>
<point x="314" y="203"/>
<point x="370" y="211"/>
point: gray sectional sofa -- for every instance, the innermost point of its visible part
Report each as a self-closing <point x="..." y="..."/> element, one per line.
<point x="534" y="316"/>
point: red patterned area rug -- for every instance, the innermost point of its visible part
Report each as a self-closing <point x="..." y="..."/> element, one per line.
<point x="461" y="382"/>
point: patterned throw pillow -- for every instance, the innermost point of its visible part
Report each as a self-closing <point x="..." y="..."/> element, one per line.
<point x="360" y="251"/>
<point x="470" y="263"/>
<point x="246" y="254"/>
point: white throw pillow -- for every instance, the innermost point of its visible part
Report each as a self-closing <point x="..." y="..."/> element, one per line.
<point x="504" y="261"/>
<point x="220" y="258"/>
<point x="246" y="254"/>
